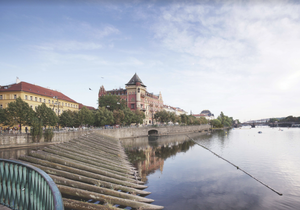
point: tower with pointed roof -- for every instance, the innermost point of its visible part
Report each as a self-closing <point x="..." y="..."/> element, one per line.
<point x="136" y="93"/>
<point x="137" y="97"/>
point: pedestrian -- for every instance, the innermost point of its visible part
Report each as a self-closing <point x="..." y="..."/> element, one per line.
<point x="26" y="129"/>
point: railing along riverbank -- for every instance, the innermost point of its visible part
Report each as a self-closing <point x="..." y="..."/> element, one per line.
<point x="26" y="187"/>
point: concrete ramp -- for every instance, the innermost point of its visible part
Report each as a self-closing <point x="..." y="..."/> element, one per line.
<point x="92" y="172"/>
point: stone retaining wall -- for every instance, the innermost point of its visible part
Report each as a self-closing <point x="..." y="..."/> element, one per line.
<point x="122" y="133"/>
<point x="25" y="140"/>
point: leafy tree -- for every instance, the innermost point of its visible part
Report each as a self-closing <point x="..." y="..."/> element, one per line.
<point x="119" y="116"/>
<point x="203" y="120"/>
<point x="46" y="115"/>
<point x="66" y="119"/>
<point x="162" y="116"/>
<point x="36" y="130"/>
<point x="216" y="123"/>
<point x="184" y="118"/>
<point x="172" y="117"/>
<point x="272" y="120"/>
<point x="85" y="116"/>
<point x="129" y="116"/>
<point x="19" y="113"/>
<point x="138" y="117"/>
<point x="112" y="102"/>
<point x="2" y="118"/>
<point x="103" y="117"/>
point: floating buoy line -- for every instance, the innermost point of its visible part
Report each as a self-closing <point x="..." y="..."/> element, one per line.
<point x="237" y="167"/>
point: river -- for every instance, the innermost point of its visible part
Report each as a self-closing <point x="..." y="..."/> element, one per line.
<point x="180" y="174"/>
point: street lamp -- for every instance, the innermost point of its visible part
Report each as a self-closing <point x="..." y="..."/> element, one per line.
<point x="56" y="97"/>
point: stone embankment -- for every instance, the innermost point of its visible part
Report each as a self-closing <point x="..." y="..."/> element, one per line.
<point x="26" y="140"/>
<point x="92" y="172"/>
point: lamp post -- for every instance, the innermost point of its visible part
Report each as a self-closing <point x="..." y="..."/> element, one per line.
<point x="56" y="97"/>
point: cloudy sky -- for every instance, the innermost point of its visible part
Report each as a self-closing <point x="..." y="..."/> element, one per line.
<point x="239" y="57"/>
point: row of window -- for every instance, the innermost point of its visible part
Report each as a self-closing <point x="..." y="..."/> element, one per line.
<point x="31" y="98"/>
<point x="2" y="97"/>
<point x="50" y="101"/>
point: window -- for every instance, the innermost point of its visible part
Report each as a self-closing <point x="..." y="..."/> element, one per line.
<point x="35" y="98"/>
<point x="15" y="96"/>
<point x="26" y="97"/>
<point x="132" y="106"/>
<point x="65" y="104"/>
<point x="31" y="106"/>
<point x="40" y="100"/>
<point x="49" y="101"/>
<point x="36" y="107"/>
<point x="52" y="102"/>
<point x="31" y="99"/>
<point x="1" y="97"/>
<point x="44" y="100"/>
<point x="1" y="106"/>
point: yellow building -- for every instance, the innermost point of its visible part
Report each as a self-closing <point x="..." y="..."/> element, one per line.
<point x="35" y="95"/>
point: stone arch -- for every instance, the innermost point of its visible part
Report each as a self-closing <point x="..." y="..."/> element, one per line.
<point x="153" y="132"/>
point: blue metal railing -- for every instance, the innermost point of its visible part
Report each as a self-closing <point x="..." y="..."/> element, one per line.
<point x="25" y="187"/>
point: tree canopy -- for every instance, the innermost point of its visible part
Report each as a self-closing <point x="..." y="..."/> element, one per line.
<point x="112" y="102"/>
<point x="19" y="113"/>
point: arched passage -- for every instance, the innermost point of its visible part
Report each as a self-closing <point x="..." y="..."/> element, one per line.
<point x="153" y="132"/>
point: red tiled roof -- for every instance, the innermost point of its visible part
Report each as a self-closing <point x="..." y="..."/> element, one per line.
<point x="89" y="107"/>
<point x="30" y="88"/>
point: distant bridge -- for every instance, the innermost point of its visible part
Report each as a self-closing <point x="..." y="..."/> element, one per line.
<point x="271" y="124"/>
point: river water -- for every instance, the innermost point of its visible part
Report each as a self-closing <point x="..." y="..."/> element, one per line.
<point x="180" y="174"/>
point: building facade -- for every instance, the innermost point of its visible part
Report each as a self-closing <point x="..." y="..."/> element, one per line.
<point x="178" y="111"/>
<point x="35" y="95"/>
<point x="137" y="98"/>
<point x="205" y="113"/>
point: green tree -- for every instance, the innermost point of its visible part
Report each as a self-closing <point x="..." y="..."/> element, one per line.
<point x="129" y="116"/>
<point x="184" y="118"/>
<point x="216" y="123"/>
<point x="2" y="118"/>
<point x="66" y="119"/>
<point x="103" y="117"/>
<point x="138" y="117"/>
<point x="112" y="102"/>
<point x="46" y="115"/>
<point x="36" y="130"/>
<point x="19" y="113"/>
<point x="118" y="116"/>
<point x="203" y="120"/>
<point x="85" y="116"/>
<point x="162" y="116"/>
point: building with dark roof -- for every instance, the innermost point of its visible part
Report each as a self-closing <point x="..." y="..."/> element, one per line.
<point x="205" y="113"/>
<point x="137" y="97"/>
<point x="35" y="95"/>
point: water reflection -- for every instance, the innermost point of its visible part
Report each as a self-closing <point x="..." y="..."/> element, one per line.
<point x="15" y="153"/>
<point x="147" y="154"/>
<point x="183" y="175"/>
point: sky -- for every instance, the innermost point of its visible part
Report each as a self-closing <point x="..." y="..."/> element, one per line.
<point x="238" y="57"/>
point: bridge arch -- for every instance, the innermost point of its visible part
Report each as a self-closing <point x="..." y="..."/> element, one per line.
<point x="153" y="132"/>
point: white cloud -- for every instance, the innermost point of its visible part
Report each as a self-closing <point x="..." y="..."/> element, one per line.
<point x="236" y="50"/>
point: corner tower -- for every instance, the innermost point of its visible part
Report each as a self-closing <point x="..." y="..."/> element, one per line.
<point x="136" y="91"/>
